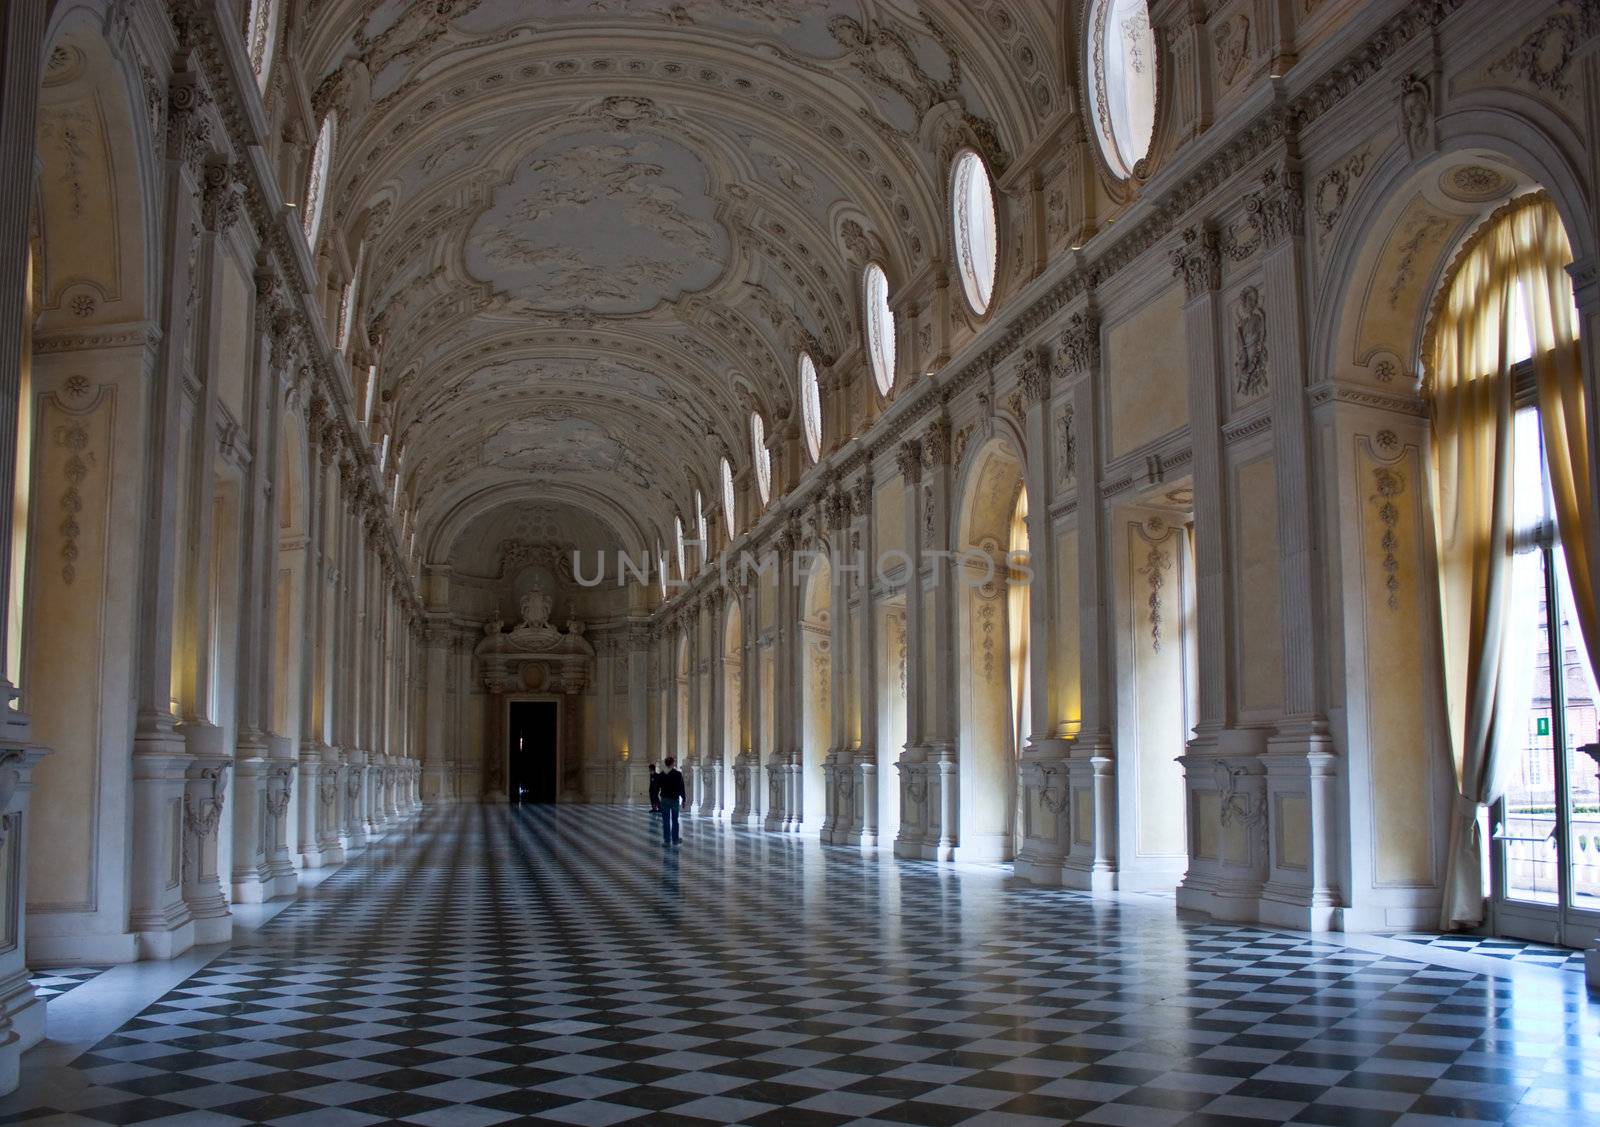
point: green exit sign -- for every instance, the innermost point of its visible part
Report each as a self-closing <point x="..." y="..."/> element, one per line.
<point x="1542" y="726"/>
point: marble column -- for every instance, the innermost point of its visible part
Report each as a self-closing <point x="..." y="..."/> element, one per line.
<point x="713" y="773"/>
<point x="937" y="664"/>
<point x="162" y="754"/>
<point x="1042" y="764"/>
<point x="1299" y="759"/>
<point x="919" y="827"/>
<point x="252" y="877"/>
<point x="310" y="656"/>
<point x="1091" y="860"/>
<point x="864" y="829"/>
<point x="1224" y="776"/>
<point x="838" y="767"/>
<point x="785" y="757"/>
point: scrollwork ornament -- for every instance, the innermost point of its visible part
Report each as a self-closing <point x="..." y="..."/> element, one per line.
<point x="221" y="202"/>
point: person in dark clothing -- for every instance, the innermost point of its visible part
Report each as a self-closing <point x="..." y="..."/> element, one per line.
<point x="655" y="790"/>
<point x="672" y="796"/>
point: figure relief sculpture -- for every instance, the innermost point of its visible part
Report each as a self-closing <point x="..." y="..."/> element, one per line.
<point x="1250" y="344"/>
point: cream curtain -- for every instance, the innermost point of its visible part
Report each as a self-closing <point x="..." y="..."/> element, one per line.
<point x="1553" y="326"/>
<point x="1471" y="407"/>
<point x="1523" y="248"/>
<point x="1018" y="597"/>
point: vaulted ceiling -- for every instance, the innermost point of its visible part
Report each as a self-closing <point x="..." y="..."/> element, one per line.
<point x="597" y="232"/>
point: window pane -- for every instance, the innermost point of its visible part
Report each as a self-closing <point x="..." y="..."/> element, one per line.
<point x="728" y="497"/>
<point x="1526" y="833"/>
<point x="811" y="406"/>
<point x="1584" y="817"/>
<point x="976" y="248"/>
<point x="880" y="328"/>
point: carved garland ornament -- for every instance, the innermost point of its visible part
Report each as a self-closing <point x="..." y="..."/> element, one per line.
<point x="74" y="439"/>
<point x="1155" y="569"/>
<point x="1389" y="484"/>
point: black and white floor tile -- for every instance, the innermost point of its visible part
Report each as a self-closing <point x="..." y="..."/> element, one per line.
<point x="558" y="965"/>
<point x="57" y="981"/>
<point x="1518" y="951"/>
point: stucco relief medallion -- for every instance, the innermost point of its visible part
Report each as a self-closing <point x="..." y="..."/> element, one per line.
<point x="604" y="222"/>
<point x="1475" y="183"/>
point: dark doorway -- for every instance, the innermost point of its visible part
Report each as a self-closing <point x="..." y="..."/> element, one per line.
<point x="532" y="733"/>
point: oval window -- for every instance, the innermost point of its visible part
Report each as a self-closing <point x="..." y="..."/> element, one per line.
<point x="677" y="532"/>
<point x="811" y="406"/>
<point x="973" y="216"/>
<point x="1122" y="95"/>
<point x="761" y="456"/>
<point x="728" y="499"/>
<point x="880" y="326"/>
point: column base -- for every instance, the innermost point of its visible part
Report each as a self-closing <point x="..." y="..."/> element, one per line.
<point x="165" y="943"/>
<point x="24" y="1009"/>
<point x="250" y="890"/>
<point x="1098" y="879"/>
<point x="1299" y="914"/>
<point x="1044" y="871"/>
<point x="213" y="927"/>
<point x="312" y="859"/>
<point x="284" y="883"/>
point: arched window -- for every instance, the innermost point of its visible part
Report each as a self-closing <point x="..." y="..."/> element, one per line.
<point x="972" y="212"/>
<point x="728" y="498"/>
<point x="880" y="326"/>
<point x="1517" y="574"/>
<point x="261" y="37"/>
<point x="677" y="539"/>
<point x="811" y="406"/>
<point x="761" y="456"/>
<point x="700" y="527"/>
<point x="1017" y="624"/>
<point x="317" y="182"/>
<point x="1121" y="65"/>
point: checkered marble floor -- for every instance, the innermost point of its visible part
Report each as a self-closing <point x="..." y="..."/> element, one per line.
<point x="555" y="964"/>
<point x="1512" y="950"/>
<point x="57" y="981"/>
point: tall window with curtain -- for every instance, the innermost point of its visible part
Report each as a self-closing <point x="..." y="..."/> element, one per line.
<point x="1017" y="633"/>
<point x="21" y="490"/>
<point x="1516" y="550"/>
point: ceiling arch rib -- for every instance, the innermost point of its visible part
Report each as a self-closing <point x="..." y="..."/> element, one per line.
<point x="599" y="232"/>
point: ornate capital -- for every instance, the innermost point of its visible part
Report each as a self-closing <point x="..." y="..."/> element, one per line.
<point x="835" y="508"/>
<point x="936" y="443"/>
<point x="1033" y="376"/>
<point x="188" y="122"/>
<point x="1278" y="207"/>
<point x="909" y="460"/>
<point x="222" y="201"/>
<point x="1080" y="346"/>
<point x="861" y="496"/>
<point x="1198" y="261"/>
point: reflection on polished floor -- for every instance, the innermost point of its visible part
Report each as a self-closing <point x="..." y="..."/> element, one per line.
<point x="555" y="964"/>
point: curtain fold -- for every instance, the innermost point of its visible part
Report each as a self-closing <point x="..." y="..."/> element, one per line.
<point x="1563" y="413"/>
<point x="1471" y="408"/>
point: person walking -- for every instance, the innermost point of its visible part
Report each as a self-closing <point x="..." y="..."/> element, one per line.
<point x="672" y="796"/>
<point x="655" y="790"/>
